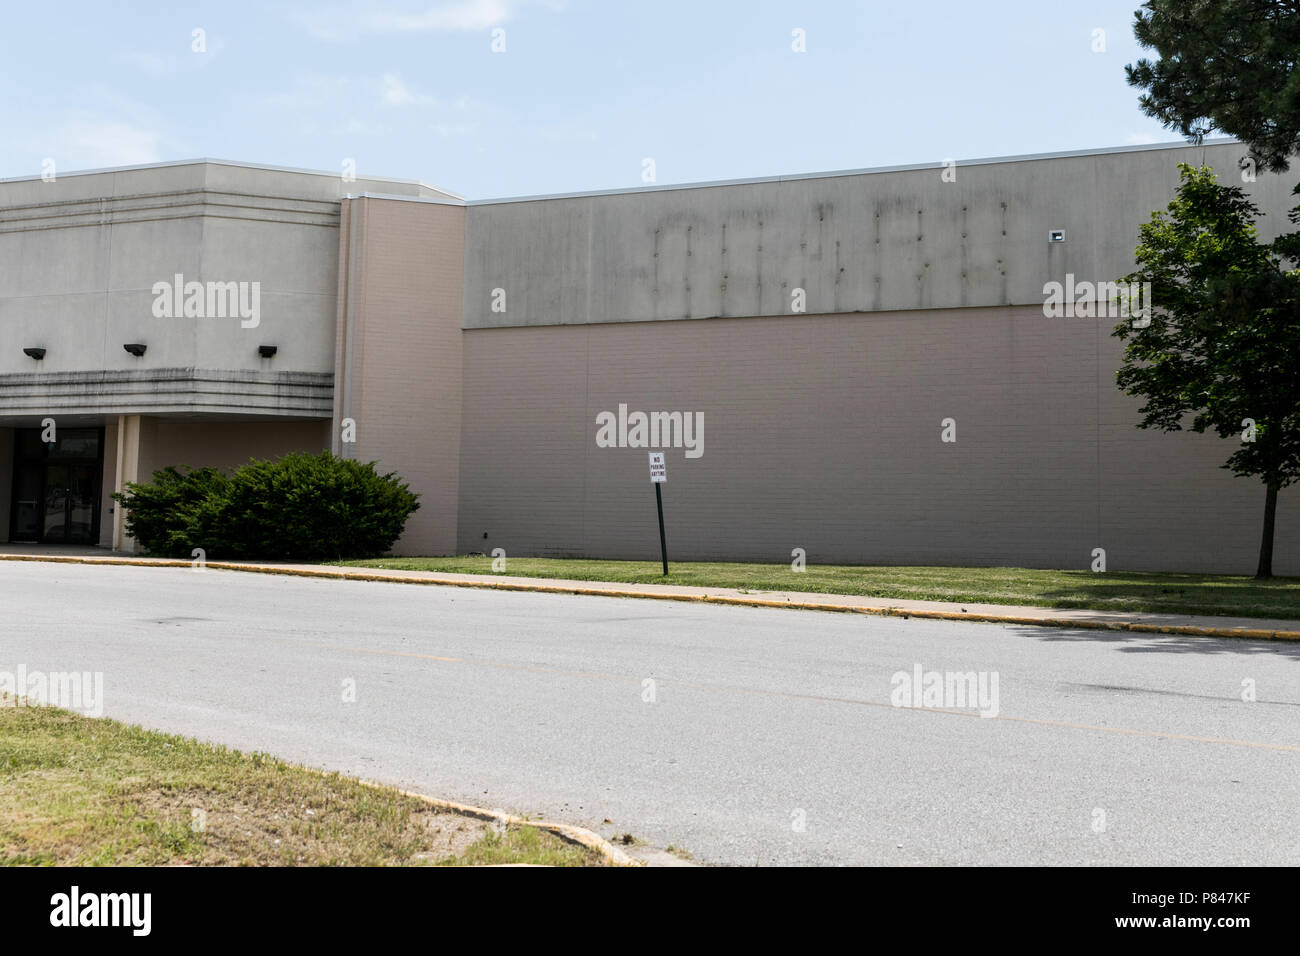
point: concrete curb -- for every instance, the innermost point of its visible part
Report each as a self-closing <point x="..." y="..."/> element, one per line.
<point x="1186" y="630"/>
<point x="583" y="837"/>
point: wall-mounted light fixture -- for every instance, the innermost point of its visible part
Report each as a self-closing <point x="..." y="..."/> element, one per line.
<point x="1056" y="235"/>
<point x="35" y="353"/>
<point x="135" y="348"/>
<point x="266" y="351"/>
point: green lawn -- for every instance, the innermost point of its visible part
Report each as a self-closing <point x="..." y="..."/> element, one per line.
<point x="76" y="791"/>
<point x="1112" y="590"/>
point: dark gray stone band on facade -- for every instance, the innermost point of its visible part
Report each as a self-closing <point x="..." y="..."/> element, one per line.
<point x="152" y="391"/>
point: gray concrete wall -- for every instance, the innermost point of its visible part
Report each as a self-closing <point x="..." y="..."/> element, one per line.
<point x="867" y="242"/>
<point x="824" y="432"/>
<point x="79" y="257"/>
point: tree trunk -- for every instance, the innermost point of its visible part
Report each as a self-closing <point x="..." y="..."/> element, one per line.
<point x="1265" y="569"/>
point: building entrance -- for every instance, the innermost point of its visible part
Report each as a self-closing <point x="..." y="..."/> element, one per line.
<point x="56" y="487"/>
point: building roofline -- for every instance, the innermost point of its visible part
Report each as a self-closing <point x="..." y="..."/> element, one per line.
<point x="832" y="174"/>
<point x="457" y="199"/>
<point x="206" y="160"/>
<point x="397" y="198"/>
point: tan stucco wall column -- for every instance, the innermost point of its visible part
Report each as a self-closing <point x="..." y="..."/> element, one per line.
<point x="135" y="447"/>
<point x="398" y="365"/>
<point x="128" y="458"/>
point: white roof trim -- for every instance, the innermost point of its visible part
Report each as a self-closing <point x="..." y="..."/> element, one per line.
<point x="457" y="199"/>
<point x="396" y="198"/>
<point x="832" y="174"/>
<point x="230" y="162"/>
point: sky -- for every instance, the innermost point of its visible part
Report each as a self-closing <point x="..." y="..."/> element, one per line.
<point x="578" y="95"/>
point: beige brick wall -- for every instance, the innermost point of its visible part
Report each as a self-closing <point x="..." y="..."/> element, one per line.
<point x="399" y="365"/>
<point x="226" y="445"/>
<point x="823" y="432"/>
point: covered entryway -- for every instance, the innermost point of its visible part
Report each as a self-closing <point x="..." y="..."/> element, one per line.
<point x="56" y="486"/>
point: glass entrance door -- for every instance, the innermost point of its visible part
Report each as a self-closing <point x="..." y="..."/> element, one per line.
<point x="69" y="506"/>
<point x="26" y="509"/>
<point x="56" y="487"/>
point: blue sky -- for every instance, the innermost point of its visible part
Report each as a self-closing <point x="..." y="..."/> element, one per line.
<point x="584" y="91"/>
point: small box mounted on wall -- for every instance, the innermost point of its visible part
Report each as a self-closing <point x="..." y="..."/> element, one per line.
<point x="1056" y="235"/>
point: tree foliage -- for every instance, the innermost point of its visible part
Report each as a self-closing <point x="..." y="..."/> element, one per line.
<point x="1222" y="350"/>
<point x="1226" y="65"/>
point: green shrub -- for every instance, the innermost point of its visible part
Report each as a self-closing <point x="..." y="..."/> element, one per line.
<point x="299" y="507"/>
<point x="175" y="509"/>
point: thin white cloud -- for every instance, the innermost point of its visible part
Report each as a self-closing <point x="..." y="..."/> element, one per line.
<point x="315" y="91"/>
<point x="310" y="91"/>
<point x="454" y="130"/>
<point x="89" y="144"/>
<point x="465" y="15"/>
<point x="368" y="106"/>
<point x="341" y="22"/>
<point x="109" y="129"/>
<point x="149" y="63"/>
<point x="394" y="92"/>
<point x="175" y="57"/>
<point x="566" y="134"/>
<point x="357" y="127"/>
<point x="1139" y="139"/>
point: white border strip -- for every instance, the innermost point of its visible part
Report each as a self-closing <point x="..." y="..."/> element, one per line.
<point x="456" y="199"/>
<point x="833" y="174"/>
<point x="230" y="162"/>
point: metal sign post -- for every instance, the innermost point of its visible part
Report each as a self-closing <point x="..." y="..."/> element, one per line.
<point x="658" y="475"/>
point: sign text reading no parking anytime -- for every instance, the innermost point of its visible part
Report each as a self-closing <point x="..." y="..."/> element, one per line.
<point x="658" y="468"/>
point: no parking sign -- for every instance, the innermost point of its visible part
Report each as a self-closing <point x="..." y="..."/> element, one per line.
<point x="658" y="475"/>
